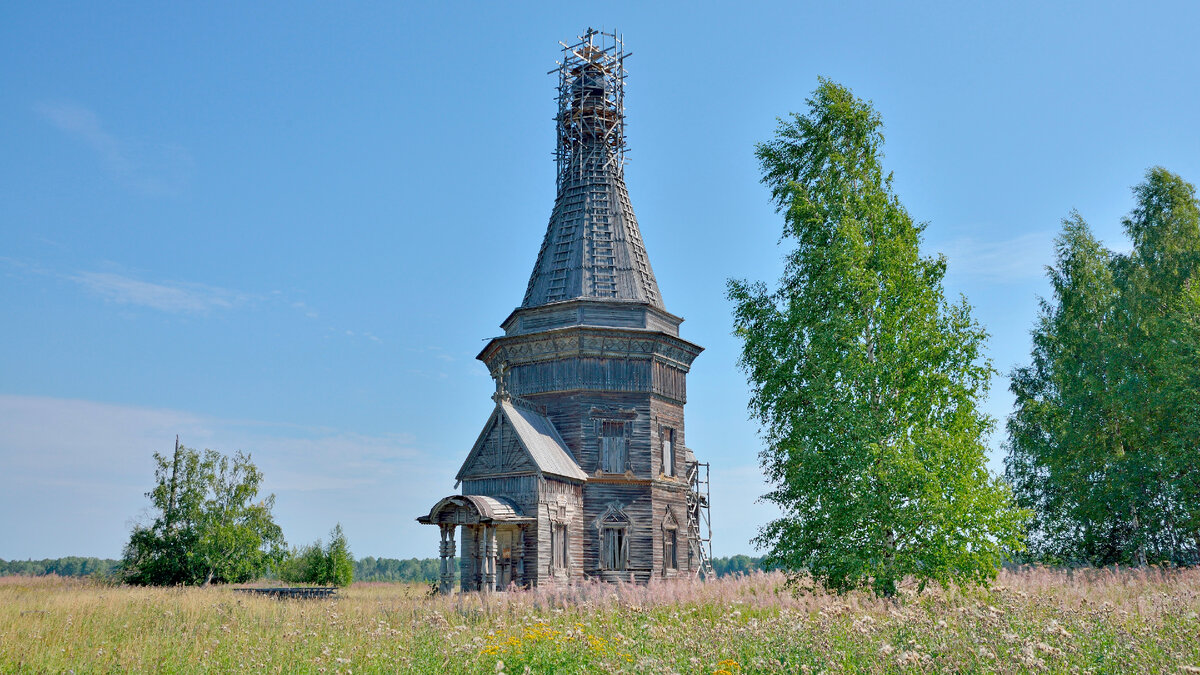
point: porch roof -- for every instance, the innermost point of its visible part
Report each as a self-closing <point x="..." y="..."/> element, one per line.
<point x="478" y="508"/>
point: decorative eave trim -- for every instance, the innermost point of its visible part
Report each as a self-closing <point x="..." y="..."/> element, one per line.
<point x="580" y="302"/>
<point x="666" y="347"/>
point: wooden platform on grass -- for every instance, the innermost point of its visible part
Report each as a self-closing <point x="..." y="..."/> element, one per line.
<point x="297" y="592"/>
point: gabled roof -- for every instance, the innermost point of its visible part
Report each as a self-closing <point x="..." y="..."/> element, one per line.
<point x="542" y="445"/>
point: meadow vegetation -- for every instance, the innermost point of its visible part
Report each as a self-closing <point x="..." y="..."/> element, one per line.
<point x="1031" y="620"/>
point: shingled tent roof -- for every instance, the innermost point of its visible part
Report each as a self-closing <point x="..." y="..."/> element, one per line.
<point x="536" y="436"/>
<point x="593" y="249"/>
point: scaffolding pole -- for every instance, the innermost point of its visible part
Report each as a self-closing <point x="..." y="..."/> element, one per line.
<point x="699" y="520"/>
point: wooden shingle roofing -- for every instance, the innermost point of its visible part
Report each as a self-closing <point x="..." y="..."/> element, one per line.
<point x="542" y="445"/>
<point x="593" y="248"/>
<point x="488" y="509"/>
<point x="543" y="441"/>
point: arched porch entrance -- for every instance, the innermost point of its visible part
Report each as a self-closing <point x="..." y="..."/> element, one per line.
<point x="493" y="542"/>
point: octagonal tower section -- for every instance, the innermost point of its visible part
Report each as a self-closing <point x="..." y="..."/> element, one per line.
<point x="611" y="376"/>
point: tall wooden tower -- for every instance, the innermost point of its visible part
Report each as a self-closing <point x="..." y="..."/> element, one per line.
<point x="593" y="360"/>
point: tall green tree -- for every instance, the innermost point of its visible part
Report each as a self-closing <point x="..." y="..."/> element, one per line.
<point x="865" y="379"/>
<point x="1068" y="422"/>
<point x="1103" y="441"/>
<point x="210" y="525"/>
<point x="318" y="563"/>
<point x="1159" y="282"/>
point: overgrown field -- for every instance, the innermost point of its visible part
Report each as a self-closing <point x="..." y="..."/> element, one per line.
<point x="1031" y="621"/>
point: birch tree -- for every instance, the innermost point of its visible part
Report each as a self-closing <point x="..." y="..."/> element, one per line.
<point x="865" y="379"/>
<point x="210" y="525"/>
<point x="1103" y="443"/>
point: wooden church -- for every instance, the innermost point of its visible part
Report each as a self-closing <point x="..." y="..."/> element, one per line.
<point x="582" y="470"/>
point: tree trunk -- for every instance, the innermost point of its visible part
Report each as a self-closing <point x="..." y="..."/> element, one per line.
<point x="887" y="586"/>
<point x="170" y="514"/>
<point x="1140" y="556"/>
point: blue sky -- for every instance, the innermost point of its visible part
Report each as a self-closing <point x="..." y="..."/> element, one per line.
<point x="288" y="228"/>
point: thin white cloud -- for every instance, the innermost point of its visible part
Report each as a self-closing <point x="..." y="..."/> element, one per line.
<point x="151" y="169"/>
<point x="354" y="335"/>
<point x="433" y="351"/>
<point x="180" y="297"/>
<point x="1016" y="260"/>
<point x="84" y="124"/>
<point x="170" y="296"/>
<point x="73" y="476"/>
<point x="302" y="307"/>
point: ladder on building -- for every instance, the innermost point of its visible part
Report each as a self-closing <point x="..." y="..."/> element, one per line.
<point x="699" y="522"/>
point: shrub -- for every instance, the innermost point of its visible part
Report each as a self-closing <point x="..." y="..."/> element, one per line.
<point x="328" y="565"/>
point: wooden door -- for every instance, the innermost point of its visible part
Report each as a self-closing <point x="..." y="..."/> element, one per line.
<point x="504" y="558"/>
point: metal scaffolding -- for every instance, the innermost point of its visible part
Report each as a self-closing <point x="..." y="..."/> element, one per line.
<point x="699" y="521"/>
<point x="591" y="107"/>
<point x="593" y="247"/>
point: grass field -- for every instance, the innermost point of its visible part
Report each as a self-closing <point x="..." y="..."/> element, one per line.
<point x="1031" y="621"/>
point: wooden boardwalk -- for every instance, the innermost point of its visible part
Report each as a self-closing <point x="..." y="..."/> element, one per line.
<point x="297" y="592"/>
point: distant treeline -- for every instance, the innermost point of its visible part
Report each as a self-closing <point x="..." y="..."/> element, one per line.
<point x="413" y="570"/>
<point x="738" y="564"/>
<point x="419" y="570"/>
<point x="367" y="569"/>
<point x="63" y="567"/>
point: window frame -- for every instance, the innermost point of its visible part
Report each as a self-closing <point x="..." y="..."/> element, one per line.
<point x="614" y="529"/>
<point x="671" y="536"/>
<point x="614" y="549"/>
<point x="667" y="446"/>
<point x="613" y="450"/>
<point x="559" y="546"/>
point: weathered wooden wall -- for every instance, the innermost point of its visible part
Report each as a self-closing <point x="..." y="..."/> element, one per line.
<point x="644" y="493"/>
<point x="559" y="502"/>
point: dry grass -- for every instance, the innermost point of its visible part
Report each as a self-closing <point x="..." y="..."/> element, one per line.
<point x="1032" y="621"/>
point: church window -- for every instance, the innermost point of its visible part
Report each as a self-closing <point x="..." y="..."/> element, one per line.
<point x="558" y="545"/>
<point x="668" y="451"/>
<point x="614" y="448"/>
<point x="670" y="561"/>
<point x="614" y="548"/>
<point x="614" y="539"/>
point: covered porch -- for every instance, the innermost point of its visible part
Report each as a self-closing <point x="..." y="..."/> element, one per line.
<point x="493" y="542"/>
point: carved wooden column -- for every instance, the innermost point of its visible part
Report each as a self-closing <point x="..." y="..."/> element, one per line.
<point x="451" y="554"/>
<point x="480" y="556"/>
<point x="442" y="560"/>
<point x="446" y="582"/>
<point x="489" y="534"/>
<point x="467" y="558"/>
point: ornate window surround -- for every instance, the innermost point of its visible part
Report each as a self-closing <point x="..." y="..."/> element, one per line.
<point x="560" y="539"/>
<point x="613" y="527"/>
<point x="670" y="528"/>
<point x="602" y="417"/>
